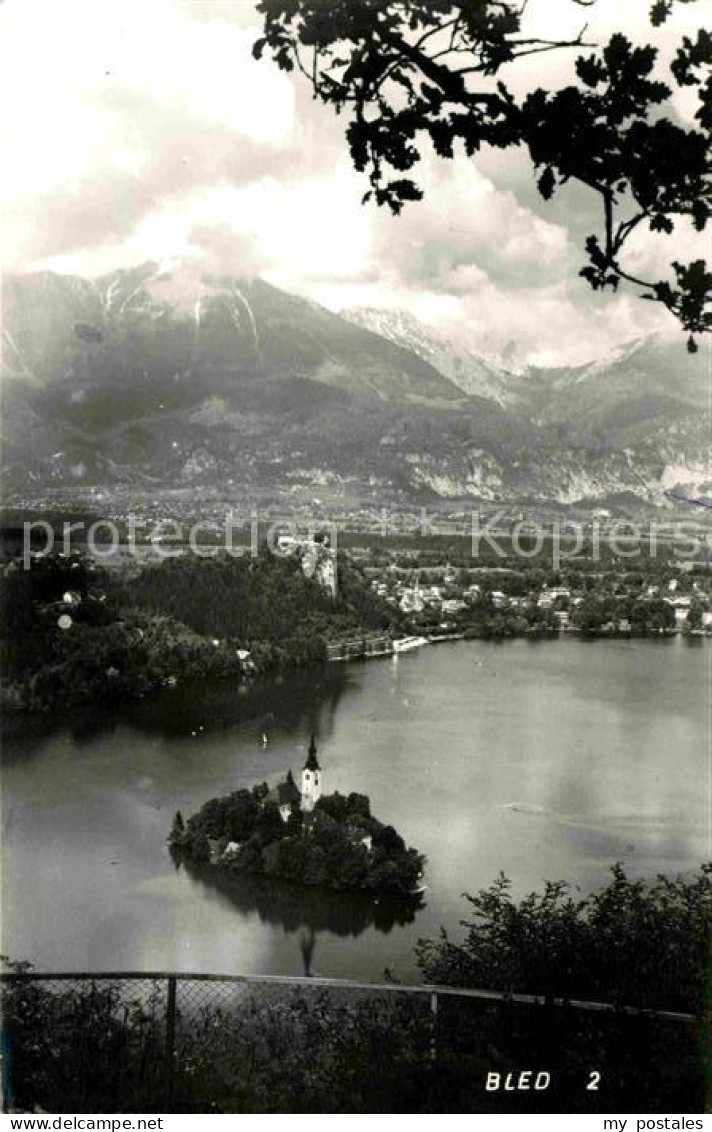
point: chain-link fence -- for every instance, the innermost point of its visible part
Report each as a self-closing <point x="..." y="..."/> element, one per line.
<point x="183" y="1043"/>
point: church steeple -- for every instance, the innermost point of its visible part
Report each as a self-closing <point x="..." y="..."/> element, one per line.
<point x="311" y="779"/>
<point x="312" y="762"/>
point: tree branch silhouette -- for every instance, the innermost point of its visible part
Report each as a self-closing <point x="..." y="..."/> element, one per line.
<point x="405" y="71"/>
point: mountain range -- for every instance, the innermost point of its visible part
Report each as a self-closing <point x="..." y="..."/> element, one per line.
<point x="150" y="379"/>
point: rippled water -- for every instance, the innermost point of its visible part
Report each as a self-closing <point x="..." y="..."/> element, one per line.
<point x="541" y="759"/>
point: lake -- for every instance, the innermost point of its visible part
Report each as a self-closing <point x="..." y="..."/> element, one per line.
<point x="544" y="760"/>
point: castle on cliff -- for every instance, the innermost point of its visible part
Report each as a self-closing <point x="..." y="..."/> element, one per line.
<point x="317" y="558"/>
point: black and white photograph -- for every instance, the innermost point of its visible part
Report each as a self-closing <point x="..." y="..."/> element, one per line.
<point x="356" y="605"/>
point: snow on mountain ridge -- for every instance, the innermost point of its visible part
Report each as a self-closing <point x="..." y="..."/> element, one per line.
<point x="393" y="322"/>
<point x="472" y="372"/>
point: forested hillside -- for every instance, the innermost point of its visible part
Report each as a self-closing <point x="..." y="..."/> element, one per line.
<point x="70" y="634"/>
<point x="267" y="598"/>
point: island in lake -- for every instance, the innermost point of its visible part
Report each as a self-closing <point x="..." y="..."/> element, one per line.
<point x="301" y="836"/>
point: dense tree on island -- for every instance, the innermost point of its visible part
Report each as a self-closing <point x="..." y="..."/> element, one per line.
<point x="242" y="832"/>
<point x="178" y="827"/>
<point x="424" y="70"/>
<point x="631" y="943"/>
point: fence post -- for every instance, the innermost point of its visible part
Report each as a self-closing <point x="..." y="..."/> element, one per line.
<point x="170" y="1040"/>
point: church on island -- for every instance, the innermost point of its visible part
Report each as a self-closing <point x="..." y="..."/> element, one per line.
<point x="286" y="793"/>
<point x="302" y="836"/>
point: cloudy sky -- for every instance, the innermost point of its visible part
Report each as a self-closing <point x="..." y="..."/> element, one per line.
<point x="139" y="130"/>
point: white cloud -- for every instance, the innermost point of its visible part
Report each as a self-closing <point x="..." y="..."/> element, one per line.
<point x="466" y="222"/>
<point x="124" y="99"/>
<point x="135" y="131"/>
<point x="543" y="326"/>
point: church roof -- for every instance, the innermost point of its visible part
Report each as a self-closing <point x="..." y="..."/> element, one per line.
<point x="312" y="762"/>
<point x="284" y="792"/>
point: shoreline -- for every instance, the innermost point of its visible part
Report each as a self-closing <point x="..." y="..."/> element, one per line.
<point x="360" y="650"/>
<point x="11" y="710"/>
